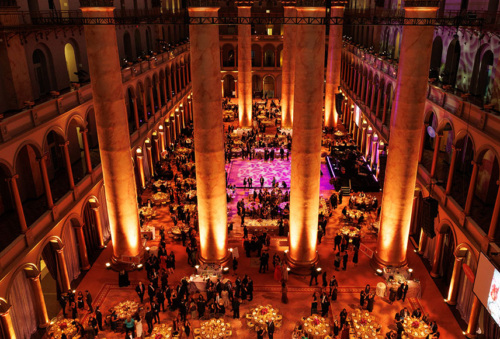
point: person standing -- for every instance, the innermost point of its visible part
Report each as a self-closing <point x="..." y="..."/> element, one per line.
<point x="140" y="289"/>
<point x="345" y="258"/>
<point x="187" y="328"/>
<point x="284" y="293"/>
<point x="370" y="301"/>
<point x="314" y="275"/>
<point x="63" y="302"/>
<point x="260" y="333"/>
<point x="138" y="327"/>
<point x="355" y="256"/>
<point x="325" y="305"/>
<point x="270" y="329"/>
<point x="88" y="299"/>
<point x="405" y="290"/>
<point x="236" y="308"/>
<point x="324" y="281"/>
<point x="362" y="297"/>
<point x="250" y="289"/>
<point x="149" y="320"/>
<point x="337" y="260"/>
<point x="98" y="317"/>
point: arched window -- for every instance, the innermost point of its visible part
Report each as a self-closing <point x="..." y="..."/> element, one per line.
<point x="71" y="62"/>
<point x="452" y="61"/>
<point x="138" y="43"/>
<point x="41" y="71"/>
<point x="127" y="46"/>
<point x="436" y="55"/>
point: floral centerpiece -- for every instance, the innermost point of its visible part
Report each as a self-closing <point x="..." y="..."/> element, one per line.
<point x="363" y="321"/>
<point x="352" y="229"/>
<point x="316" y="321"/>
<point x="264" y="311"/>
<point x="415" y="324"/>
<point x="159" y="336"/>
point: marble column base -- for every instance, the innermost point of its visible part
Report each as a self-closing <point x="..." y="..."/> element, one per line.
<point x="120" y="265"/>
<point x="223" y="262"/>
<point x="300" y="267"/>
<point x="377" y="263"/>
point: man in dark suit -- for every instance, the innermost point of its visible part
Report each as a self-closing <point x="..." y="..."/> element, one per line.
<point x="270" y="329"/>
<point x="151" y="292"/>
<point x="405" y="290"/>
<point x="417" y="313"/>
<point x="149" y="320"/>
<point x="88" y="299"/>
<point x="250" y="289"/>
<point x="236" y="308"/>
<point x="140" y="289"/>
<point x="98" y="317"/>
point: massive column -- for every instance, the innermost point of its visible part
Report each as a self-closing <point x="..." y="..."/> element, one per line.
<point x="244" y="65"/>
<point x="208" y="136"/>
<point x="6" y="326"/>
<point x="306" y="144"/>
<point x="287" y="88"/>
<point x="333" y="65"/>
<point x="113" y="133"/>
<point x="33" y="275"/>
<point x="406" y="127"/>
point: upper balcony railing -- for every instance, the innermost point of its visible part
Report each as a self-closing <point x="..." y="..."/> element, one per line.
<point x="23" y="121"/>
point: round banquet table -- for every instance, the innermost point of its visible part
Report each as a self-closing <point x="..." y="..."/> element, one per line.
<point x="415" y="328"/>
<point x="351" y="231"/>
<point x="125" y="309"/>
<point x="214" y="329"/>
<point x="364" y="324"/>
<point x="316" y="327"/>
<point x="163" y="330"/>
<point x="260" y="315"/>
<point x="354" y="214"/>
<point x="58" y="327"/>
<point x="161" y="197"/>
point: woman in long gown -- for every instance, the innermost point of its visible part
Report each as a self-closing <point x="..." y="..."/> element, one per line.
<point x="284" y="293"/>
<point x="277" y="272"/>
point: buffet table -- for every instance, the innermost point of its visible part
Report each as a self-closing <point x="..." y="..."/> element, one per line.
<point x="259" y="225"/>
<point x="414" y="289"/>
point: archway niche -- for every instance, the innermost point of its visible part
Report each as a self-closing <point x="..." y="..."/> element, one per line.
<point x="449" y="76"/>
<point x="436" y="56"/>
<point x="229" y="86"/>
<point x="95" y="155"/>
<point x="463" y="169"/>
<point x="444" y="154"/>
<point x="429" y="141"/>
<point x="10" y="227"/>
<point x="30" y="183"/>
<point x="268" y="86"/>
<point x="486" y="189"/>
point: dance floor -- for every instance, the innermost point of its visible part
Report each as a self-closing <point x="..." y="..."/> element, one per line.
<point x="279" y="169"/>
<point x="240" y="169"/>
